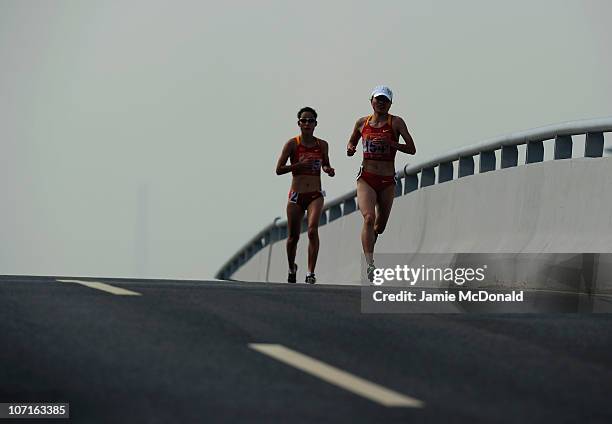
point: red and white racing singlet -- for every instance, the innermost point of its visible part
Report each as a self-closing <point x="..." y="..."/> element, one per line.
<point x="376" y="141"/>
<point x="314" y="154"/>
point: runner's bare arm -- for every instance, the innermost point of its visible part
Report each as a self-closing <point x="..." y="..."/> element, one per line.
<point x="351" y="147"/>
<point x="281" y="165"/>
<point x="326" y="165"/>
<point x="399" y="126"/>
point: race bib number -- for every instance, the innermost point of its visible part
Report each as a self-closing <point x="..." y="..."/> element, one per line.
<point x="375" y="146"/>
<point x="315" y="159"/>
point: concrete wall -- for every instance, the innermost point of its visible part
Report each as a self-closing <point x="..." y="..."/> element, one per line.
<point x="555" y="207"/>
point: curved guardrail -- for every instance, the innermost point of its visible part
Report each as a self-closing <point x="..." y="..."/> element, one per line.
<point x="408" y="178"/>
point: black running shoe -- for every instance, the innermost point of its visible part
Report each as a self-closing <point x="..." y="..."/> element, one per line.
<point x="370" y="272"/>
<point x="311" y="279"/>
<point x="292" y="276"/>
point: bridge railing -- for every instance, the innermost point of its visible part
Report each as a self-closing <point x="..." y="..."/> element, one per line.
<point x="442" y="169"/>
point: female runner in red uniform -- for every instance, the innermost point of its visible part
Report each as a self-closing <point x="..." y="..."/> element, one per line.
<point x="308" y="155"/>
<point x="376" y="179"/>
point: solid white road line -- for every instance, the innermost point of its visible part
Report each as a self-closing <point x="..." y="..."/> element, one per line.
<point x="104" y="287"/>
<point x="336" y="376"/>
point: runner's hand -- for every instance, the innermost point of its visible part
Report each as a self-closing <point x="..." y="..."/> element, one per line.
<point x="329" y="171"/>
<point x="303" y="165"/>
<point x="350" y="150"/>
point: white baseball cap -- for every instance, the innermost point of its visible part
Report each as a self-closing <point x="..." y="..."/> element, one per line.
<point x="383" y="90"/>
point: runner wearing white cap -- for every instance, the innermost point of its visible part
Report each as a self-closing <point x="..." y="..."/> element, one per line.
<point x="380" y="134"/>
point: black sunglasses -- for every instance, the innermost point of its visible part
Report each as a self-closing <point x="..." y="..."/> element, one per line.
<point x="382" y="99"/>
<point x="307" y="120"/>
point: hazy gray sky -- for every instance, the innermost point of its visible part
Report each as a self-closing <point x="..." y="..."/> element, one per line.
<point x="140" y="137"/>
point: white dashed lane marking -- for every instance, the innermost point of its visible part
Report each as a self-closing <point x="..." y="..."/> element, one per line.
<point x="104" y="287"/>
<point x="337" y="377"/>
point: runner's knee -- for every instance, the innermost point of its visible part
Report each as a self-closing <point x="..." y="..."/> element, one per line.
<point x="368" y="219"/>
<point x="313" y="233"/>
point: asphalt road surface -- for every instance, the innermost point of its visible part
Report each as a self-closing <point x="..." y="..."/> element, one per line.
<point x="186" y="351"/>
